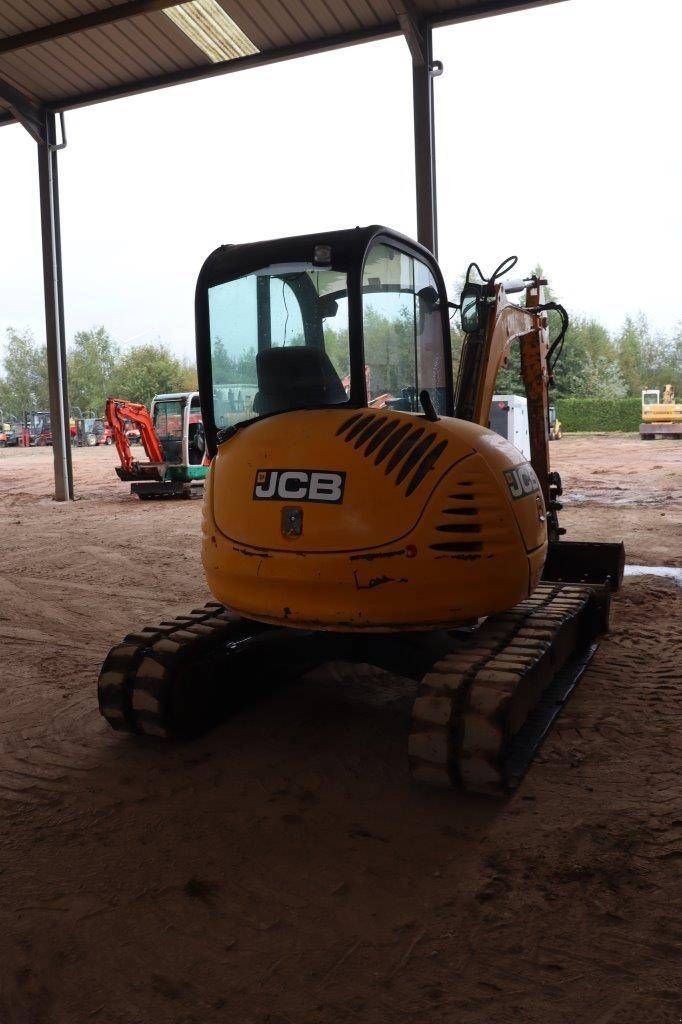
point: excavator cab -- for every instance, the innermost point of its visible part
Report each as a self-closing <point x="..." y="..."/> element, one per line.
<point x="334" y="321"/>
<point x="179" y="428"/>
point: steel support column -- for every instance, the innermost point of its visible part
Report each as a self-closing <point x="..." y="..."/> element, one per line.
<point x="54" y="311"/>
<point x="423" y="73"/>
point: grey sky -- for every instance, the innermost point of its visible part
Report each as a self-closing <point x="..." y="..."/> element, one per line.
<point x="557" y="139"/>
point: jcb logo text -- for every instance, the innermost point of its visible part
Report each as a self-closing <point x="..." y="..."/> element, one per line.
<point x="299" y="485"/>
<point x="521" y="481"/>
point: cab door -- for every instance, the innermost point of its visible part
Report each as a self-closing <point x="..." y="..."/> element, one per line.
<point x="405" y="330"/>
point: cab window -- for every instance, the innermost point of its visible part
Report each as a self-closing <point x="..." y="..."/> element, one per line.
<point x="279" y="341"/>
<point x="196" y="438"/>
<point x="168" y="426"/>
<point x="168" y="420"/>
<point x="403" y="333"/>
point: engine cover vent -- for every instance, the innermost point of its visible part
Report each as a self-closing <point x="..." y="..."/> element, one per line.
<point x="396" y="444"/>
<point x="461" y="528"/>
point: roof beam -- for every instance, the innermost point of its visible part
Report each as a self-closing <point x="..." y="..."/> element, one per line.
<point x="24" y="109"/>
<point x="485" y="9"/>
<point x="225" y="67"/>
<point x="466" y="12"/>
<point x="82" y="22"/>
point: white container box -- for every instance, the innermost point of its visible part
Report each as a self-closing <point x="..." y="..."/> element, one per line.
<point x="509" y="417"/>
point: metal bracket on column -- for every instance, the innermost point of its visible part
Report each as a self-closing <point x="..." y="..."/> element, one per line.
<point x="56" y="146"/>
<point x="26" y="110"/>
<point x="412" y="28"/>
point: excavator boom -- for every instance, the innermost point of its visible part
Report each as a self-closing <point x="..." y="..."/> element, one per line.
<point x="117" y="411"/>
<point x="494" y="325"/>
<point x="486" y="349"/>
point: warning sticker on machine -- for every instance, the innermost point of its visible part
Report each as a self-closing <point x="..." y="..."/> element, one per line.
<point x="299" y="485"/>
<point x="521" y="481"/>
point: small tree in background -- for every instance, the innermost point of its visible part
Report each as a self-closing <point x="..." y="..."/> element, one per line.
<point x="602" y="379"/>
<point x="646" y="360"/>
<point x="91" y="366"/>
<point x="24" y="386"/>
<point x="632" y="342"/>
<point x="670" y="369"/>
<point x="145" y="371"/>
<point x="190" y="381"/>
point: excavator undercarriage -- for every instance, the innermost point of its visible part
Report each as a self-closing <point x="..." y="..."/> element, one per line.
<point x="487" y="695"/>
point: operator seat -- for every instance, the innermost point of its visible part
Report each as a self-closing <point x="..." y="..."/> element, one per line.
<point x="296" y="377"/>
<point x="196" y="443"/>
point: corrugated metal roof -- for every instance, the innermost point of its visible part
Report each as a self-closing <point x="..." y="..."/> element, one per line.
<point x="66" y="53"/>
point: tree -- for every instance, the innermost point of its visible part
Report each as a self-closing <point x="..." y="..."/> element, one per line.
<point x="145" y="371"/>
<point x="631" y="357"/>
<point x="669" y="369"/>
<point x="601" y="379"/>
<point x="648" y="361"/>
<point x="588" y="348"/>
<point x="25" y="385"/>
<point x="587" y="365"/>
<point x="91" y="365"/>
<point x="228" y="370"/>
<point x="336" y="344"/>
<point x="456" y="342"/>
<point x="389" y="349"/>
<point x="190" y="381"/>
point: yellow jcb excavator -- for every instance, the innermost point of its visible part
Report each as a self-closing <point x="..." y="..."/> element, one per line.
<point x="408" y="536"/>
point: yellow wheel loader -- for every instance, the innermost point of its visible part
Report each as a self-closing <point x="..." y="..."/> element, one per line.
<point x="403" y="534"/>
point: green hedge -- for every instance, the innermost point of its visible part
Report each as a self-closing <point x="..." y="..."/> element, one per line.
<point x="599" y="414"/>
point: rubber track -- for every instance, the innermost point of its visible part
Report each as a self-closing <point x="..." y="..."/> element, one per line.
<point x="473" y="703"/>
<point x="140" y="685"/>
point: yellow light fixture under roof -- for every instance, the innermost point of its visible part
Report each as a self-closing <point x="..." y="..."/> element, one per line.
<point x="212" y="29"/>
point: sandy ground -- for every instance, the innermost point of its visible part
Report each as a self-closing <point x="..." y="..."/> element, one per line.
<point x="620" y="488"/>
<point x="283" y="870"/>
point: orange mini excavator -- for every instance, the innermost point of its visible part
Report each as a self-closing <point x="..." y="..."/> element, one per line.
<point x="172" y="435"/>
<point x="407" y="536"/>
